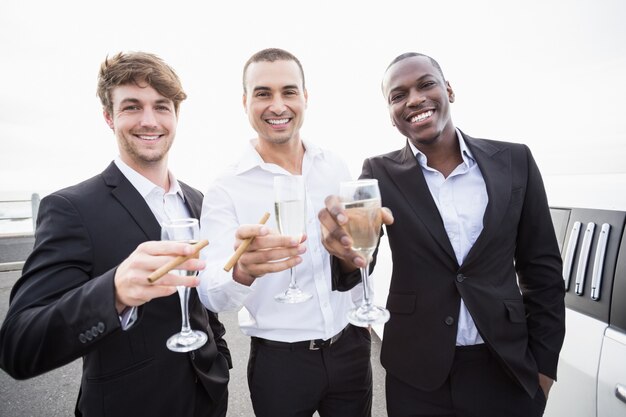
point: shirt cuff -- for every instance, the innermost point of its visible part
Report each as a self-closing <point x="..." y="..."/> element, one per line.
<point x="128" y="317"/>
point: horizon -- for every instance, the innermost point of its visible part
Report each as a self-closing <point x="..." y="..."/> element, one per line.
<point x="547" y="74"/>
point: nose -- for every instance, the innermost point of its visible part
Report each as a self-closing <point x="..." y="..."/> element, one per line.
<point x="415" y="98"/>
<point x="148" y="118"/>
<point x="277" y="106"/>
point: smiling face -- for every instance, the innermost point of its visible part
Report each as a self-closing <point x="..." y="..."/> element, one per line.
<point x="419" y="100"/>
<point x="144" y="123"/>
<point x="275" y="100"/>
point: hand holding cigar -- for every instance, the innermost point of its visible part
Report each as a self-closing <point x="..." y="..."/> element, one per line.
<point x="243" y="247"/>
<point x="154" y="276"/>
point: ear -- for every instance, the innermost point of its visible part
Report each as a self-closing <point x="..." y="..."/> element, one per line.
<point x="306" y="98"/>
<point x="450" y="92"/>
<point x="244" y="101"/>
<point x="108" y="119"/>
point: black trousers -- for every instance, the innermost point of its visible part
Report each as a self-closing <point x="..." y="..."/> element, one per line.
<point x="335" y="381"/>
<point x="205" y="407"/>
<point x="478" y="386"/>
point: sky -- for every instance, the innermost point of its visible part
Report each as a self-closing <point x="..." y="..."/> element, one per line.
<point x="545" y="73"/>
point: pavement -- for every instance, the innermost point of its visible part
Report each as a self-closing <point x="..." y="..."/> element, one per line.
<point x="54" y="393"/>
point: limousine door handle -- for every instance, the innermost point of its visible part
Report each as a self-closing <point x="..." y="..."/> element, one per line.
<point x="620" y="392"/>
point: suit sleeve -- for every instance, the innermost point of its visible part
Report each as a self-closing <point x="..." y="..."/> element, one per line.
<point x="57" y="311"/>
<point x="539" y="267"/>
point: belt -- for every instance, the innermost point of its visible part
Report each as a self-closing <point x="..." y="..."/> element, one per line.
<point x="316" y="344"/>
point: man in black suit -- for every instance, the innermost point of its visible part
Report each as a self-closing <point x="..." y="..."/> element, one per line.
<point x="84" y="292"/>
<point x="476" y="295"/>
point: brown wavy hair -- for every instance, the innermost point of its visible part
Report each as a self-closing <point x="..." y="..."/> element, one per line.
<point x="138" y="68"/>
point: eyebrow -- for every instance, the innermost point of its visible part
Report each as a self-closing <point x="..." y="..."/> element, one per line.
<point x="285" y="87"/>
<point x="400" y="87"/>
<point x="131" y="100"/>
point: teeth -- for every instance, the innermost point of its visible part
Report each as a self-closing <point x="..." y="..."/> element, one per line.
<point x="277" y="121"/>
<point x="151" y="137"/>
<point x="422" y="116"/>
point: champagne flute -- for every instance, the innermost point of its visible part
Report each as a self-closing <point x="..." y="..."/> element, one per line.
<point x="188" y="231"/>
<point x="361" y="201"/>
<point x="290" y="211"/>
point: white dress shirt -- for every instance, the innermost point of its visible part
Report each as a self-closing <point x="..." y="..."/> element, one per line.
<point x="461" y="199"/>
<point x="240" y="196"/>
<point x="165" y="205"/>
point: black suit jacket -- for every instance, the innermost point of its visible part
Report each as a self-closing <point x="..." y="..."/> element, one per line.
<point x="63" y="307"/>
<point x="523" y="325"/>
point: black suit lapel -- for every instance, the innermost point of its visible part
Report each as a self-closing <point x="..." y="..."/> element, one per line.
<point x="495" y="166"/>
<point x="408" y="177"/>
<point x="129" y="197"/>
<point x="193" y="200"/>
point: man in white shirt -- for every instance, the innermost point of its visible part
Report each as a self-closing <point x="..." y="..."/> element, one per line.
<point x="304" y="357"/>
<point x="84" y="289"/>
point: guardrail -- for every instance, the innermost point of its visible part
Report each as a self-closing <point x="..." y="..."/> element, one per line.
<point x="34" y="201"/>
<point x="11" y="266"/>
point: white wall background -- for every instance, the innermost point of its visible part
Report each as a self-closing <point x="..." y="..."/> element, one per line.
<point x="546" y="73"/>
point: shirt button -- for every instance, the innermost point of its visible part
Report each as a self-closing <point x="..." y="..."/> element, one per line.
<point x="449" y="321"/>
<point x="460" y="278"/>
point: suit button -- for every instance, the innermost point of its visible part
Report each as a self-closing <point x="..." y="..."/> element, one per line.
<point x="460" y="278"/>
<point x="88" y="335"/>
<point x="82" y="338"/>
<point x="101" y="327"/>
<point x="94" y="331"/>
<point x="449" y="321"/>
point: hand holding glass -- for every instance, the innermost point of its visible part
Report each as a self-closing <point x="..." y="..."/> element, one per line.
<point x="290" y="210"/>
<point x="361" y="201"/>
<point x="188" y="231"/>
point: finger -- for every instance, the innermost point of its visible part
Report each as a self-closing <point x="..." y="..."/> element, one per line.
<point x="175" y="279"/>
<point x="247" y="231"/>
<point x="270" y="255"/>
<point x="335" y="208"/>
<point x="272" y="241"/>
<point x="387" y="215"/>
<point x="261" y="269"/>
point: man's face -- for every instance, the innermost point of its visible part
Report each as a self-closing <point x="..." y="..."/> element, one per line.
<point x="275" y="100"/>
<point x="144" y="123"/>
<point x="418" y="99"/>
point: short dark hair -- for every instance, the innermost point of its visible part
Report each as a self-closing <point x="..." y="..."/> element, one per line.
<point x="271" y="55"/>
<point x="412" y="54"/>
<point x="137" y="68"/>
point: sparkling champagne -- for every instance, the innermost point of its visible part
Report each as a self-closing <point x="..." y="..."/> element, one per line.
<point x="184" y="272"/>
<point x="364" y="222"/>
<point x="290" y="216"/>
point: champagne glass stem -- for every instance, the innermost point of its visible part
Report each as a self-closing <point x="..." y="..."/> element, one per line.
<point x="365" y="275"/>
<point x="184" y="305"/>
<point x="292" y="282"/>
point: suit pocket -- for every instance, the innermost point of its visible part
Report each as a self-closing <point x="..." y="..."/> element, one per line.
<point x="515" y="310"/>
<point x="401" y="303"/>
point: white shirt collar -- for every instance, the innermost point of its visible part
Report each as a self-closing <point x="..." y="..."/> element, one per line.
<point x="466" y="154"/>
<point x="143" y="185"/>
<point x="251" y="158"/>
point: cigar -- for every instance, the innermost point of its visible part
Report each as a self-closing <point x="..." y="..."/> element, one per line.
<point x="177" y="261"/>
<point x="242" y="248"/>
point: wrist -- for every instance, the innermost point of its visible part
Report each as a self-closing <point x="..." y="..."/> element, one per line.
<point x="119" y="306"/>
<point x="242" y="277"/>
